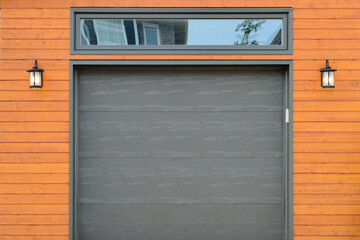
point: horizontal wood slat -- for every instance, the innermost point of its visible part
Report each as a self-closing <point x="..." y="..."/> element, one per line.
<point x="326" y="189"/>
<point x="326" y="230"/>
<point x="327" y="147"/>
<point x="63" y="23"/>
<point x="327" y="137"/>
<point x="34" y="230"/>
<point x="327" y="106"/>
<point x="327" y="116"/>
<point x="326" y="157"/>
<point x="34" y="147"/>
<point x="35" y="178"/>
<point x="34" y="137"/>
<point x="35" y="116"/>
<point x="34" y="157"/>
<point x="323" y="199"/>
<point x="34" y="188"/>
<point x="303" y="220"/>
<point x="326" y="168"/>
<point x="35" y="13"/>
<point x="24" y="85"/>
<point x="34" y="219"/>
<point x="326" y="127"/>
<point x="34" y="126"/>
<point x="34" y="106"/>
<point x="34" y="168"/>
<point x="326" y="178"/>
<point x="25" y="199"/>
<point x="51" y="209"/>
<point x="326" y="209"/>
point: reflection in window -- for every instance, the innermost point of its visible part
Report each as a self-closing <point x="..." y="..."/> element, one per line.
<point x="262" y="32"/>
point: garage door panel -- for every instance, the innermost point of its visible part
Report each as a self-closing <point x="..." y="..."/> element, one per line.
<point x="176" y="221"/>
<point x="180" y="153"/>
<point x="180" y="134"/>
<point x="181" y="180"/>
<point x="204" y="91"/>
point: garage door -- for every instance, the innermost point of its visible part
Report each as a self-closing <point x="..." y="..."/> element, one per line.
<point x="180" y="153"/>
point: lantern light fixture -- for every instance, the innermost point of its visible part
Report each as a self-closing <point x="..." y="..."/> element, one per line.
<point x="36" y="76"/>
<point x="327" y="76"/>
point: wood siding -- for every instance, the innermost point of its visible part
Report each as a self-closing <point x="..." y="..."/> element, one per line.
<point x="34" y="124"/>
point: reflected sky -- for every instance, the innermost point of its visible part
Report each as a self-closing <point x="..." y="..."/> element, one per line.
<point x="222" y="32"/>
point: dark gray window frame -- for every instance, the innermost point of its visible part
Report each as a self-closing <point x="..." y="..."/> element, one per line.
<point x="287" y="127"/>
<point x="145" y="13"/>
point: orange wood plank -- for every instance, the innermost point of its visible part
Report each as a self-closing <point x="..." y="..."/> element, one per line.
<point x="34" y="168"/>
<point x="315" y="65"/>
<point x="325" y="4"/>
<point x="35" y="34"/>
<point x="326" y="127"/>
<point x="34" y="106"/>
<point x="333" y="13"/>
<point x="326" y="158"/>
<point x="49" y="209"/>
<point x="343" y="75"/>
<point x="326" y="95"/>
<point x="333" y="23"/>
<point x="324" y="106"/>
<point x="34" y="230"/>
<point x="326" y="168"/>
<point x="62" y="23"/>
<point x="326" y="238"/>
<point x="35" y="178"/>
<point x="35" y="44"/>
<point x="326" y="44"/>
<point x="25" y="199"/>
<point x="323" y="199"/>
<point x="327" y="137"/>
<point x="326" y="116"/>
<point x="34" y="137"/>
<point x="326" y="178"/>
<point x="24" y="85"/>
<point x="34" y="219"/>
<point x="25" y="64"/>
<point x="34" y="95"/>
<point x="24" y="76"/>
<point x="327" y="147"/>
<point x="350" y="85"/>
<point x="35" y="116"/>
<point x="326" y="209"/>
<point x="34" y="126"/>
<point x="326" y="188"/>
<point x="319" y="220"/>
<point x="326" y="230"/>
<point x="34" y="157"/>
<point x="180" y="3"/>
<point x="325" y="34"/>
<point x="34" y="147"/>
<point x="35" y="13"/>
<point x="35" y="54"/>
<point x="34" y="188"/>
<point x="65" y="237"/>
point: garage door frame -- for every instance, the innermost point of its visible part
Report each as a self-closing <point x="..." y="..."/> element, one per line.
<point x="287" y="139"/>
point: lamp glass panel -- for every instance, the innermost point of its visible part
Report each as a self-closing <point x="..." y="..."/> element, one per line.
<point x="32" y="78"/>
<point x="325" y="78"/>
<point x="331" y="79"/>
<point x="38" y="78"/>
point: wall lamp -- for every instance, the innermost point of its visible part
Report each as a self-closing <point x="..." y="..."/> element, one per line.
<point x="36" y="76"/>
<point x="327" y="76"/>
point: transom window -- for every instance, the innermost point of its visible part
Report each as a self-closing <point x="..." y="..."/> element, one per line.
<point x="181" y="31"/>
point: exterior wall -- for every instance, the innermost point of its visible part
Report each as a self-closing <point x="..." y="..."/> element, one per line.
<point x="34" y="124"/>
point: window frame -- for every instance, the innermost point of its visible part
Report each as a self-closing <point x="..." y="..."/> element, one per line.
<point x="76" y="14"/>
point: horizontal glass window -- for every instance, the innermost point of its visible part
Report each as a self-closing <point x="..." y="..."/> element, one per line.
<point x="186" y="32"/>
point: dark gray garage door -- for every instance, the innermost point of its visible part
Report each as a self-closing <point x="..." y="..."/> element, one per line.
<point x="180" y="153"/>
